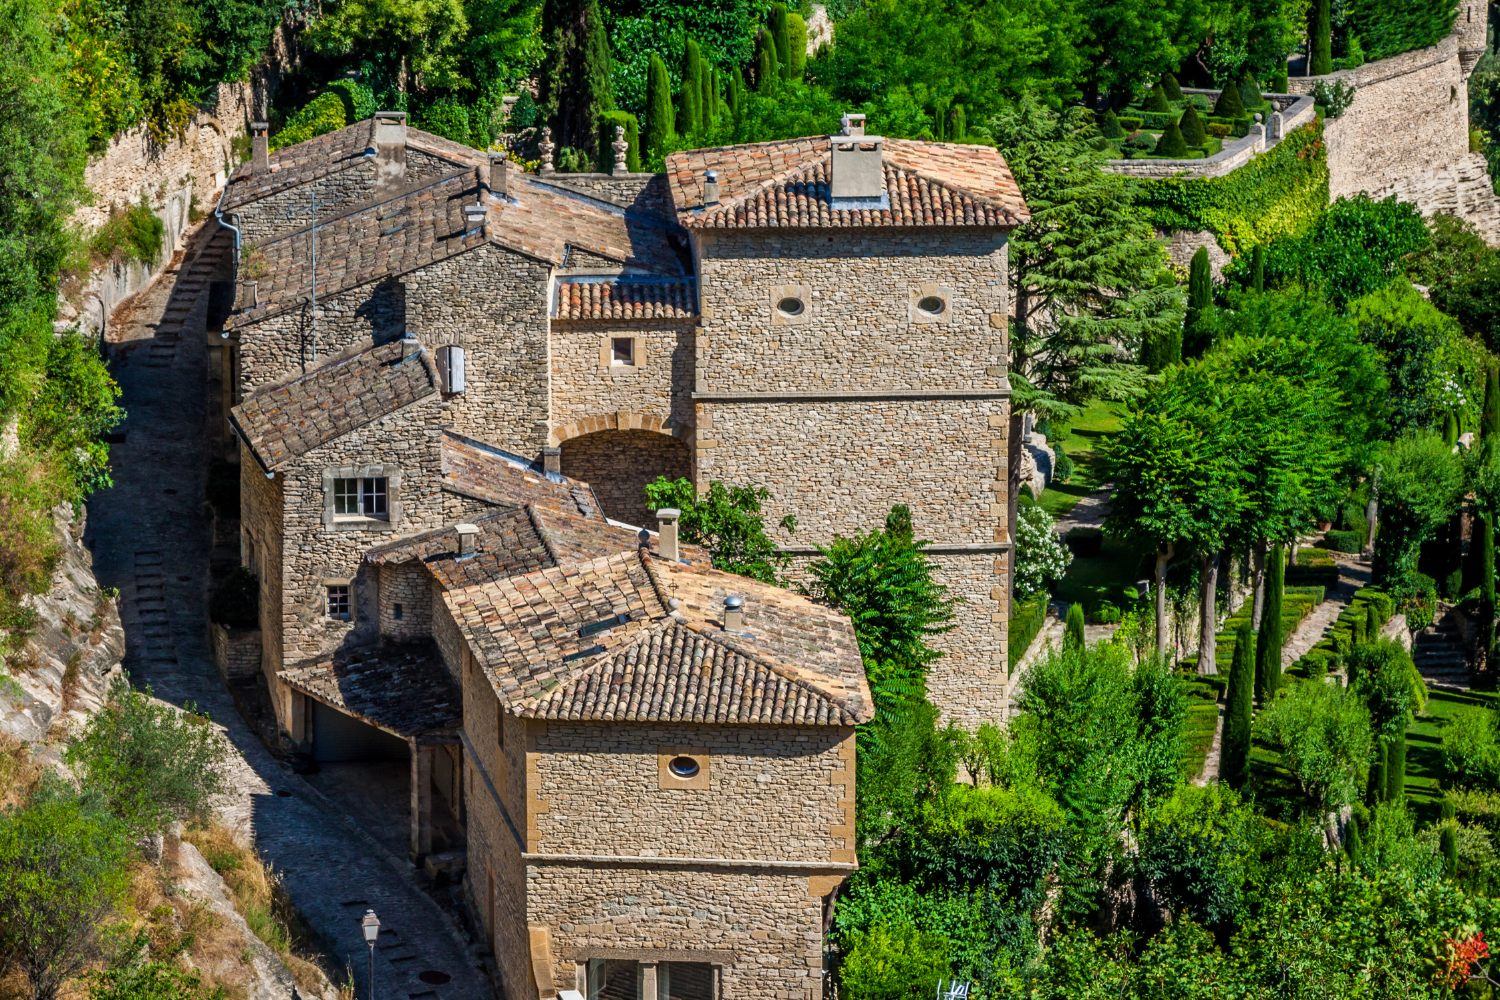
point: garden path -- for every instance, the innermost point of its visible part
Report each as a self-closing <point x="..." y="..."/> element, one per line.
<point x="150" y="535"/>
<point x="1211" y="761"/>
<point x="1354" y="573"/>
<point x="1089" y="512"/>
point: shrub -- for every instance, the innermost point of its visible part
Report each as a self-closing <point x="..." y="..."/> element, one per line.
<point x="321" y="115"/>
<point x="1192" y="127"/>
<point x="1062" y="465"/>
<point x="1026" y="619"/>
<point x="235" y="600"/>
<point x="1073" y="634"/>
<point x="1218" y="130"/>
<point x="1106" y="614"/>
<point x="523" y="113"/>
<point x="608" y="122"/>
<point x="1085" y="542"/>
<point x="1170" y="88"/>
<point x="1157" y="100"/>
<point x="1141" y="142"/>
<point x="133" y="233"/>
<point x="448" y="117"/>
<point x="1333" y="96"/>
<point x="1130" y="124"/>
<point x="359" y="100"/>
<point x="1229" y="104"/>
<point x="1322" y="732"/>
<point x="1471" y="752"/>
<point x="1109" y="126"/>
<point x="727" y="521"/>
<point x="1172" y="142"/>
<point x="894" y="963"/>
<point x="1387" y="29"/>
<point x="1345" y="541"/>
<point x="1039" y="555"/>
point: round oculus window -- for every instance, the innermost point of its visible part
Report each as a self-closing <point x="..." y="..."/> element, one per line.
<point x="683" y="767"/>
<point x="790" y="306"/>
<point x="931" y="304"/>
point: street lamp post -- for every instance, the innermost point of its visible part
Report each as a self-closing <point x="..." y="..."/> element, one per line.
<point x="370" y="924"/>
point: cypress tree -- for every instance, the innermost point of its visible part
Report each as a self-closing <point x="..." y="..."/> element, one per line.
<point x="1450" y="429"/>
<point x="1156" y="100"/>
<point x="1448" y="846"/>
<point x="710" y="106"/>
<point x="1073" y="637"/>
<point x="1200" y="302"/>
<point x="1489" y="416"/>
<point x="1170" y="88"/>
<point x="1268" y="641"/>
<point x="1278" y="78"/>
<point x="1258" y="267"/>
<point x="1173" y="144"/>
<point x="1109" y="126"/>
<point x="767" y="69"/>
<point x="575" y="77"/>
<point x="1229" y="104"/>
<point x="1378" y="779"/>
<point x="1193" y="132"/>
<point x="660" y="122"/>
<point x="796" y="34"/>
<point x="960" y="129"/>
<point x="777" y="23"/>
<point x="1446" y="809"/>
<point x="940" y="120"/>
<point x="690" y="97"/>
<point x="1353" y="844"/>
<point x="734" y="87"/>
<point x="1395" y="775"/>
<point x="1234" y="750"/>
<point x="1321" y="37"/>
<point x="1486" y="638"/>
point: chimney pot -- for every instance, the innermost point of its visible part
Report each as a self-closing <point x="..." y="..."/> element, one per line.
<point x="499" y="170"/>
<point x="252" y="294"/>
<point x="853" y="123"/>
<point x="260" y="147"/>
<point x="710" y="188"/>
<point x="468" y="535"/>
<point x="667" y="518"/>
<point x="410" y="345"/>
<point x="474" y="217"/>
<point x="734" y="613"/>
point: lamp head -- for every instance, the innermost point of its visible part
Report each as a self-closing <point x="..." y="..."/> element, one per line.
<point x="370" y="924"/>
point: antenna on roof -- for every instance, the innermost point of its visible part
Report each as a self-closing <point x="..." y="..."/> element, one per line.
<point x="312" y="211"/>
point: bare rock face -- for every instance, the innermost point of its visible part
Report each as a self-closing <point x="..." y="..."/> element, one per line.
<point x="65" y="670"/>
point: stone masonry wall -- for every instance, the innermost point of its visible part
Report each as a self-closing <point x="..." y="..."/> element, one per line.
<point x="445" y="634"/>
<point x="409" y="585"/>
<point x="619" y="464"/>
<point x="491" y="302"/>
<point x="236" y="651"/>
<point x="281" y="347"/>
<point x="261" y="531"/>
<point x="601" y="783"/>
<point x="765" y="926"/>
<point x="971" y="682"/>
<point x="582" y="387"/>
<point x="858" y="331"/>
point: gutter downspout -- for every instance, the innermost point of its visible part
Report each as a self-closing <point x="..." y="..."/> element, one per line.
<point x="219" y="215"/>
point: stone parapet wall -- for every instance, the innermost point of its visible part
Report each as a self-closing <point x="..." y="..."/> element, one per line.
<point x="1295" y="111"/>
<point x="236" y="652"/>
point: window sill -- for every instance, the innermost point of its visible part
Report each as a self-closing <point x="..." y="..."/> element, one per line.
<point x="344" y="522"/>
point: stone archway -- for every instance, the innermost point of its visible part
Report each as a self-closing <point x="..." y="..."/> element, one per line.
<point x="619" y="463"/>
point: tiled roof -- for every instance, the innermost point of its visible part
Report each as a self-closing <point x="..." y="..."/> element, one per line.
<point x="495" y="476"/>
<point x="286" y="421"/>
<point x="785" y="184"/>
<point x="507" y="545"/>
<point x="427" y="225"/>
<point x="625" y="300"/>
<point x="795" y="662"/>
<point x="328" y="154"/>
<point x="402" y="689"/>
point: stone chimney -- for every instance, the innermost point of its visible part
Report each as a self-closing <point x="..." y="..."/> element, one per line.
<point x="474" y="217"/>
<point x="390" y="151"/>
<point x="468" y="537"/>
<point x="552" y="461"/>
<point x="710" y="188"/>
<point x="734" y="613"/>
<point x="409" y="345"/>
<point x="667" y="519"/>
<point x="249" y="294"/>
<point x="856" y="170"/>
<point x="260" y="147"/>
<point x="499" y="173"/>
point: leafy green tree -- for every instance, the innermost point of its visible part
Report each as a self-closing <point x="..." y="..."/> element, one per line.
<point x="64" y="868"/>
<point x="1322" y="732"/>
<point x="1320" y="34"/>
<point x="796" y="34"/>
<point x="416" y="42"/>
<point x="1073" y="635"/>
<point x="74" y="405"/>
<point x="767" y="65"/>
<point x="1193" y="849"/>
<point x="1234" y="754"/>
<point x="905" y="760"/>
<point x="575" y="80"/>
<point x="502" y="48"/>
<point x="1128" y="41"/>
<point x="728" y="522"/>
<point x="1421" y="485"/>
<point x="1175" y="467"/>
<point x="1083" y="269"/>
<point x="891" y="963"/>
<point x="1198" y="324"/>
<point x="1461" y="271"/>
<point x="1357" y="246"/>
<point x="151" y="763"/>
<point x="777" y="26"/>
<point x="661" y="128"/>
<point x="134" y="976"/>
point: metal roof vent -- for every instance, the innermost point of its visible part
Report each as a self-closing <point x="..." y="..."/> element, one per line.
<point x="734" y="613"/>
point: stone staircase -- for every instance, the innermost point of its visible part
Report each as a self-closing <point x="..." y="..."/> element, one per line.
<point x="189" y="286"/>
<point x="1438" y="651"/>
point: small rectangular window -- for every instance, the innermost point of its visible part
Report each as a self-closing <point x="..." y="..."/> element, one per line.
<point x="338" y="601"/>
<point x="360" y="497"/>
<point x="372" y="497"/>
<point x="346" y="496"/>
<point x="623" y="351"/>
<point x="398" y="611"/>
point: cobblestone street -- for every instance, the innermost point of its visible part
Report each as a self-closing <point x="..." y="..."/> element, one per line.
<point x="150" y="535"/>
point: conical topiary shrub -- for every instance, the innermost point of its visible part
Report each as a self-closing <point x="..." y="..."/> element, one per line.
<point x="1352" y="844"/>
<point x="1171" y="142"/>
<point x="1250" y="93"/>
<point x="1156" y="100"/>
<point x="1170" y="88"/>
<point x="1229" y="104"/>
<point x="1192" y="128"/>
<point x="1448" y="848"/>
<point x="1109" y="126"/>
<point x="1073" y="632"/>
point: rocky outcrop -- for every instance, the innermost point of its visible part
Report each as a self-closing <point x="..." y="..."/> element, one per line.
<point x="63" y="673"/>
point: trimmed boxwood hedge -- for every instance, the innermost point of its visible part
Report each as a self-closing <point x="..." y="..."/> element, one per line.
<point x="1345" y="541"/>
<point x="1026" y="619"/>
<point x="1296" y="604"/>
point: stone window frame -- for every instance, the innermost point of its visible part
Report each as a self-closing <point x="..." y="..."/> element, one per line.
<point x="803" y="292"/>
<point x="340" y="581"/>
<point x="345" y="522"/>
<point x="637" y="355"/>
<point x="667" y="781"/>
<point x="920" y="292"/>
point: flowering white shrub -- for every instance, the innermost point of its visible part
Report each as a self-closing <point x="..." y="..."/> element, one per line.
<point x="1040" y="556"/>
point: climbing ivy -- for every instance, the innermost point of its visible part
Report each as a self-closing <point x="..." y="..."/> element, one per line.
<point x="1279" y="193"/>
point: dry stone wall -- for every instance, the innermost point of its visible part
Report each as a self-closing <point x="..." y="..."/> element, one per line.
<point x="619" y="464"/>
<point x="407" y="588"/>
<point x="282" y="347"/>
<point x="585" y="385"/>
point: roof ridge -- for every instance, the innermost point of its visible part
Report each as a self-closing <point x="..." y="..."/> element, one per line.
<point x="542" y="532"/>
<point x="755" y="656"/>
<point x="417" y="187"/>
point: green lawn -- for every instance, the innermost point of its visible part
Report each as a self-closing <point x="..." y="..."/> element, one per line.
<point x="1087" y="431"/>
<point x="1198" y="734"/>
<point x="1424" y="743"/>
<point x="1104" y="577"/>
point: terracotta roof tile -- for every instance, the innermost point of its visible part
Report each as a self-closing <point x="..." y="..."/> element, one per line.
<point x="625" y="300"/>
<point x="285" y="421"/>
<point x="785" y="184"/>
<point x="404" y="690"/>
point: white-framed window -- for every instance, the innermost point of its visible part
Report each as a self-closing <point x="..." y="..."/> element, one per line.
<point x="338" y="605"/>
<point x="362" y="496"/>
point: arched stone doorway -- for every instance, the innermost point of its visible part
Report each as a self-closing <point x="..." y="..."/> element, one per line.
<point x="619" y="464"/>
